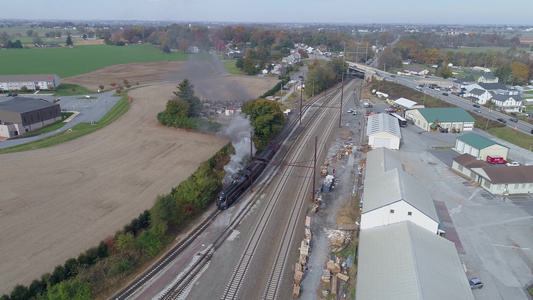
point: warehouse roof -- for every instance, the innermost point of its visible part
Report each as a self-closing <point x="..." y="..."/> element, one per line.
<point x="446" y="114"/>
<point x="22" y="78"/>
<point x="381" y="160"/>
<point x="405" y="102"/>
<point x="477" y="141"/>
<point x="24" y="104"/>
<point x="383" y="123"/>
<point x="396" y="185"/>
<point x="405" y="261"/>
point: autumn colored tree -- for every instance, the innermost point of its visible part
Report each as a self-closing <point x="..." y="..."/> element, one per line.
<point x="520" y="72"/>
<point x="445" y="71"/>
<point x="433" y="56"/>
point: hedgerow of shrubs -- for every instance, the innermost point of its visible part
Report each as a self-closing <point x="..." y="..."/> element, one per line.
<point x="103" y="267"/>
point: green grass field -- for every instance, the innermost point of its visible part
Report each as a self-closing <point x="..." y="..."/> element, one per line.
<point x="67" y="62"/>
<point x="476" y="49"/>
<point x="230" y="67"/>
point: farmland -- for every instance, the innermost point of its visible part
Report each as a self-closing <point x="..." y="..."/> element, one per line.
<point x="67" y="62"/>
<point x="476" y="49"/>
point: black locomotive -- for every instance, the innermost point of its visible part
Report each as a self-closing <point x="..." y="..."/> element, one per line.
<point x="238" y="186"/>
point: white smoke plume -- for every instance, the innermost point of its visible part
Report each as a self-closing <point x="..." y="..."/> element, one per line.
<point x="239" y="131"/>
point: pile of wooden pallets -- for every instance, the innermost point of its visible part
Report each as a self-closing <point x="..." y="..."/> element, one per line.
<point x="300" y="267"/>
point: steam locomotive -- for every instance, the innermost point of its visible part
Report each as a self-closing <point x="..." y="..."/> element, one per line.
<point x="238" y="186"/>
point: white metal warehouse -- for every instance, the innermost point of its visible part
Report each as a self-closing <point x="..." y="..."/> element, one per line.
<point x="404" y="261"/>
<point x="381" y="160"/>
<point x="383" y="130"/>
<point x="394" y="197"/>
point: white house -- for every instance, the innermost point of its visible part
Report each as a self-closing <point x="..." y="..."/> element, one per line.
<point x="416" y="71"/>
<point x="487" y="78"/>
<point x="394" y="197"/>
<point x="478" y="95"/>
<point x="31" y="82"/>
<point x="405" y="262"/>
<point x="383" y="130"/>
<point x="509" y="103"/>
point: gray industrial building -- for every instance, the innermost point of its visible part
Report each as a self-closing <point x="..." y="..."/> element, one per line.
<point x="20" y="115"/>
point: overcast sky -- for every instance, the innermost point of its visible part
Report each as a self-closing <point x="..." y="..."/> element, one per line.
<point x="510" y="12"/>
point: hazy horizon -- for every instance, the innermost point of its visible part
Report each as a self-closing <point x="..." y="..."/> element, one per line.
<point x="452" y="12"/>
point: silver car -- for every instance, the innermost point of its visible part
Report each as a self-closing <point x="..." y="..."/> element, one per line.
<point x="475" y="283"/>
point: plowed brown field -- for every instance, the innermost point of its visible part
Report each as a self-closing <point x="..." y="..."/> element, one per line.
<point x="57" y="202"/>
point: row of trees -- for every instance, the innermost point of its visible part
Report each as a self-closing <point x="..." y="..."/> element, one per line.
<point x="323" y="75"/>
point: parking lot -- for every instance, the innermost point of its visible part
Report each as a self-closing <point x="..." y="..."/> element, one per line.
<point x="493" y="232"/>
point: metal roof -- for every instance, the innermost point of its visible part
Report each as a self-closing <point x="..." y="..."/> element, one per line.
<point x="23" y="104"/>
<point x="477" y="92"/>
<point x="22" y="78"/>
<point x="396" y="185"/>
<point x="446" y="114"/>
<point x="405" y="102"/>
<point x="383" y="123"/>
<point x="381" y="160"/>
<point x="405" y="261"/>
<point x="478" y="141"/>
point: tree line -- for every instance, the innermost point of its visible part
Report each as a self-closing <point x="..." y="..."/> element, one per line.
<point x="514" y="66"/>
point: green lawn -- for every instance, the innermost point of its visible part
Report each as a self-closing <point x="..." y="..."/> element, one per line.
<point x="66" y="89"/>
<point x="66" y="62"/>
<point x="476" y="49"/>
<point x="230" y="67"/>
<point x="78" y="130"/>
<point x="518" y="138"/>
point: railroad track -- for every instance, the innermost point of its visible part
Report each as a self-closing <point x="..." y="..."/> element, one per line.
<point x="233" y="286"/>
<point x="189" y="275"/>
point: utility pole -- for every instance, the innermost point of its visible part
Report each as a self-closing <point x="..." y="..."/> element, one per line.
<point x="342" y="84"/>
<point x="251" y="156"/>
<point x="314" y="172"/>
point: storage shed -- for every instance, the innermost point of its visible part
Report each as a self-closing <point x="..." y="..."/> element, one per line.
<point x="479" y="146"/>
<point x="383" y="130"/>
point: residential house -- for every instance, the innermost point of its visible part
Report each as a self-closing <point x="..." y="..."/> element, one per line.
<point x="461" y="83"/>
<point x="432" y="119"/>
<point x="480" y="96"/>
<point x="509" y="103"/>
<point x="487" y="78"/>
<point x="236" y="54"/>
<point x="416" y="71"/>
<point x="498" y="88"/>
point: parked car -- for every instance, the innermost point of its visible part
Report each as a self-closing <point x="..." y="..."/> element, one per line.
<point x="476" y="105"/>
<point x="475" y="283"/>
<point x="477" y="110"/>
<point x="393" y="75"/>
<point x="501" y="120"/>
<point x="512" y="164"/>
<point x="349" y="111"/>
<point x="445" y="94"/>
<point x="513" y="120"/>
<point x="12" y="94"/>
